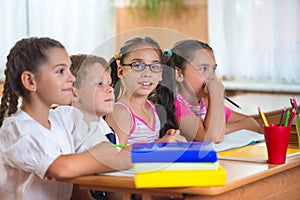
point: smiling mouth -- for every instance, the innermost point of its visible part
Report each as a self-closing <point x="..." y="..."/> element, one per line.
<point x="145" y="83"/>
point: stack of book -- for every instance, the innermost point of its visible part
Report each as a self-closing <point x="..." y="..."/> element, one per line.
<point x="176" y="165"/>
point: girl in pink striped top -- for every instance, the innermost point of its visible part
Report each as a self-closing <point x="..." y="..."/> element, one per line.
<point x="199" y="100"/>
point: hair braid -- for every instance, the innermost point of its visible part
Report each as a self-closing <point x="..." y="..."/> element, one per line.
<point x="26" y="55"/>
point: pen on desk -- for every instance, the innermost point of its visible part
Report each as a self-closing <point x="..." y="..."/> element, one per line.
<point x="262" y="114"/>
<point x="119" y="145"/>
<point x="282" y="116"/>
<point x="232" y="102"/>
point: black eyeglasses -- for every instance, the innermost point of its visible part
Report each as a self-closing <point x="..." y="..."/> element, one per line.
<point x="139" y="66"/>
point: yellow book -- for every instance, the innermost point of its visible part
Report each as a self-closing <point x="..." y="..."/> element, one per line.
<point x="189" y="178"/>
<point x="252" y="153"/>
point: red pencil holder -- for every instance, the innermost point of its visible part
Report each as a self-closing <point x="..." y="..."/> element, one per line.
<point x="277" y="140"/>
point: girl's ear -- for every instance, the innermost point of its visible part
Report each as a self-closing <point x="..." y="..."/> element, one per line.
<point x="178" y="75"/>
<point x="28" y="81"/>
<point x="121" y="71"/>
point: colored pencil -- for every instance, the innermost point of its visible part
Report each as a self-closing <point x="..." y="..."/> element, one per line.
<point x="297" y="122"/>
<point x="262" y="114"/>
<point x="295" y="104"/>
<point x="119" y="145"/>
<point x="292" y="116"/>
<point x="287" y="117"/>
<point x="282" y="116"/>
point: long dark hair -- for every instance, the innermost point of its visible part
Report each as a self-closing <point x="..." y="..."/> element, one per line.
<point x="164" y="96"/>
<point x="26" y="55"/>
<point x="184" y="51"/>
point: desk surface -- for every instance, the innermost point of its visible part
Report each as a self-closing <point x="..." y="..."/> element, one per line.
<point x="249" y="102"/>
<point x="239" y="174"/>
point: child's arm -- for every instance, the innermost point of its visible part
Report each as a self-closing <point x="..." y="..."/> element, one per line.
<point x="101" y="158"/>
<point x="121" y="122"/>
<point x="238" y="121"/>
<point x="215" y="117"/>
<point x="213" y="126"/>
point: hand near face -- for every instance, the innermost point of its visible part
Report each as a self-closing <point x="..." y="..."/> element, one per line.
<point x="213" y="85"/>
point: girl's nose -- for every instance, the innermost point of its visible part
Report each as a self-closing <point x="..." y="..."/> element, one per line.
<point x="110" y="89"/>
<point x="71" y="77"/>
<point x="146" y="72"/>
<point x="211" y="76"/>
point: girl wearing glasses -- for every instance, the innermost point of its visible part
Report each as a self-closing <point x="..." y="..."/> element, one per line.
<point x="136" y="72"/>
<point x="199" y="99"/>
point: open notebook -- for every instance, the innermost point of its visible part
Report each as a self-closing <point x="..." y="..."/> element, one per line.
<point x="239" y="139"/>
<point x="252" y="153"/>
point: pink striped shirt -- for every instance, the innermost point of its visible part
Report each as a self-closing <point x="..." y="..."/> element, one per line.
<point x="140" y="129"/>
<point x="184" y="108"/>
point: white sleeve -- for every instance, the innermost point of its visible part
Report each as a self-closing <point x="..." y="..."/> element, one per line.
<point x="25" y="147"/>
<point x="85" y="136"/>
<point x="88" y="135"/>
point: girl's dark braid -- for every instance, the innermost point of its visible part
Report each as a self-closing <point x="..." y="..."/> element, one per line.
<point x="164" y="95"/>
<point x="9" y="101"/>
<point x="27" y="55"/>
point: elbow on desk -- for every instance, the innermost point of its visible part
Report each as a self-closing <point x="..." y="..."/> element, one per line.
<point x="62" y="169"/>
<point x="61" y="174"/>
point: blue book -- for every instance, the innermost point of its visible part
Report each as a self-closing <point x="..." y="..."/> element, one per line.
<point x="173" y="152"/>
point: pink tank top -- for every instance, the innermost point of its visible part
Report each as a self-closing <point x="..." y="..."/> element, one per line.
<point x="140" y="130"/>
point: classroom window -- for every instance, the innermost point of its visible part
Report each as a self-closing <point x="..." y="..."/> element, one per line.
<point x="81" y="26"/>
<point x="257" y="42"/>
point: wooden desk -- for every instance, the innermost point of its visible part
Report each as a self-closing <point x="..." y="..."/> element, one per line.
<point x="245" y="180"/>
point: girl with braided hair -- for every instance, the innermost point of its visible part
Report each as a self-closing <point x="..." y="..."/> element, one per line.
<point x="36" y="142"/>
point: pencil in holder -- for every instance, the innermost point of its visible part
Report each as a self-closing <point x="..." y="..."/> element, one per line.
<point x="297" y="123"/>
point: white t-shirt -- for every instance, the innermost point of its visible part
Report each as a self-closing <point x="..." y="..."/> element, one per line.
<point x="85" y="135"/>
<point x="28" y="149"/>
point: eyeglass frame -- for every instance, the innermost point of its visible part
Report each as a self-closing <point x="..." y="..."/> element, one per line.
<point x="145" y="65"/>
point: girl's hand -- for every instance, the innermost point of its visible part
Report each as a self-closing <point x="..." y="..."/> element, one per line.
<point x="213" y="85"/>
<point x="172" y="135"/>
<point x="173" y="132"/>
<point x="180" y="138"/>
